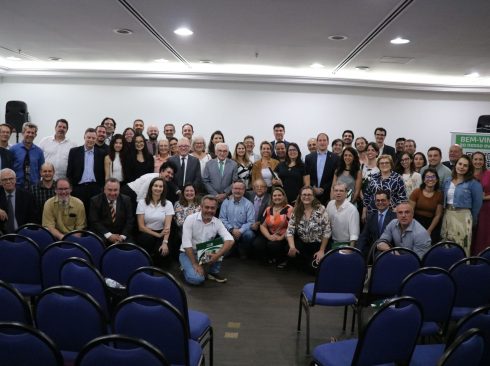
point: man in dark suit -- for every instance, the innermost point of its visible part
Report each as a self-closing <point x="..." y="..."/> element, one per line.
<point x="111" y="215"/>
<point x="376" y="222"/>
<point x="260" y="199"/>
<point x="86" y="169"/>
<point x="188" y="167"/>
<point x="220" y="173"/>
<point x="279" y="131"/>
<point x="380" y="135"/>
<point x="17" y="206"/>
<point x="320" y="166"/>
<point x="5" y="158"/>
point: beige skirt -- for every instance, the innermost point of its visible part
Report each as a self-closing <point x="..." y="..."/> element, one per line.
<point x="457" y="227"/>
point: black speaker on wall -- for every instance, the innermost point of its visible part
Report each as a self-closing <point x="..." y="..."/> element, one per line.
<point x="16" y="114"/>
<point x="483" y="124"/>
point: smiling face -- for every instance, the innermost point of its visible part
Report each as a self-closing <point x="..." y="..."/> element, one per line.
<point x="101" y="134"/>
<point x="217" y="138"/>
<point x="279" y="133"/>
<point x="265" y="150"/>
<point x="208" y="209"/>
<point x="138" y="126"/>
<point x="430" y="179"/>
<point x="240" y="150"/>
<point x="281" y="150"/>
<point x="189" y="194"/>
<point x="418" y="161"/>
<point x="307" y="196"/>
<point x="111" y="190"/>
<point x="339" y="193"/>
<point x="434" y="158"/>
<point x="139" y="143"/>
<point x="405" y="161"/>
<point x="347" y="138"/>
<point x="384" y="165"/>
<point x="129" y="135"/>
<point x="157" y="189"/>
<point x="8" y="180"/>
<point x="348" y="158"/>
<point x="278" y="198"/>
<point x="478" y="160"/>
<point x="337" y="148"/>
<point x="163" y="147"/>
<point x="63" y="190"/>
<point x="404" y="214"/>
<point x="29" y="135"/>
<point x="462" y="166"/>
<point x="90" y="138"/>
<point x="109" y="125"/>
<point x="60" y="130"/>
<point x="360" y="145"/>
<point x="371" y="153"/>
<point x="221" y="151"/>
<point x="118" y="145"/>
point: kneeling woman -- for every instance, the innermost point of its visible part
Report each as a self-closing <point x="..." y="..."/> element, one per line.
<point x="154" y="215"/>
<point x="308" y="230"/>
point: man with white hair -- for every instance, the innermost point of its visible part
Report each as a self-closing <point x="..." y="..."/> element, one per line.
<point x="220" y="173"/>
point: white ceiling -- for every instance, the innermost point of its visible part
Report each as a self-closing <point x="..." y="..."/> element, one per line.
<point x="254" y="40"/>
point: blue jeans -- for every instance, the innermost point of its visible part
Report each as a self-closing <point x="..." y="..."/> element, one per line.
<point x="190" y="274"/>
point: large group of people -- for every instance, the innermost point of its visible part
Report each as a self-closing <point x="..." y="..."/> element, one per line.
<point x="279" y="206"/>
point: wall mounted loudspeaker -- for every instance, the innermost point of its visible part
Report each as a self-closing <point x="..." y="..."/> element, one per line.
<point x="16" y="114"/>
<point x="483" y="124"/>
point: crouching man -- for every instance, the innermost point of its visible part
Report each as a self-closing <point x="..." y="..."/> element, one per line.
<point x="198" y="228"/>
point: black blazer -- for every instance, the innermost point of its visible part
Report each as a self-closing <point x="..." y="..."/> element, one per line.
<point x="193" y="171"/>
<point x="250" y="195"/>
<point x="25" y="208"/>
<point x="76" y="164"/>
<point x="328" y="172"/>
<point x="389" y="150"/>
<point x="100" y="219"/>
<point x="6" y="157"/>
<point x="370" y="232"/>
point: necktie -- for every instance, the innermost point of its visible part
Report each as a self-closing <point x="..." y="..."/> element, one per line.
<point x="113" y="210"/>
<point x="155" y="152"/>
<point x="182" y="166"/>
<point x="257" y="204"/>
<point x="11" y="214"/>
<point x="27" y="171"/>
<point x="221" y="167"/>
<point x="380" y="223"/>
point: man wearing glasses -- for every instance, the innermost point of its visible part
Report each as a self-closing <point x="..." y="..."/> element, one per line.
<point x="17" y="206"/>
<point x="63" y="212"/>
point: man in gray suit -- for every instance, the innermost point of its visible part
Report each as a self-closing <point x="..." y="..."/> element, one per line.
<point x="188" y="167"/>
<point x="220" y="173"/>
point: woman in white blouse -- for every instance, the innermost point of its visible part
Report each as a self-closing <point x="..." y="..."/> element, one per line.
<point x="154" y="215"/>
<point x="113" y="162"/>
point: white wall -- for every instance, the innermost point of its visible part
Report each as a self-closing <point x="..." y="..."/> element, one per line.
<point x="239" y="109"/>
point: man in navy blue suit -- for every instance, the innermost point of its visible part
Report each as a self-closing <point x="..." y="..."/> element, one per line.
<point x="376" y="222"/>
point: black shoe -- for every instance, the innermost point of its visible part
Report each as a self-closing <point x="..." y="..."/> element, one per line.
<point x="282" y="265"/>
<point x="217" y="277"/>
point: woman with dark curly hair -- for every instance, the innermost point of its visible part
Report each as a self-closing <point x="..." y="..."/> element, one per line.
<point x="139" y="160"/>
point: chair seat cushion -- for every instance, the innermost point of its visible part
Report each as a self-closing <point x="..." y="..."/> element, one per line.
<point x="429" y="328"/>
<point x="427" y="354"/>
<point x="328" y="298"/>
<point x="198" y="324"/>
<point x="28" y="289"/>
<point x="337" y="353"/>
<point x="195" y="352"/>
<point x="69" y="357"/>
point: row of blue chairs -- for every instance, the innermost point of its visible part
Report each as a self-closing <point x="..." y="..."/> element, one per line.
<point x="444" y="295"/>
<point x="390" y="337"/>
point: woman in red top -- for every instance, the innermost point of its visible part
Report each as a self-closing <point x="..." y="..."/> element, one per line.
<point x="272" y="245"/>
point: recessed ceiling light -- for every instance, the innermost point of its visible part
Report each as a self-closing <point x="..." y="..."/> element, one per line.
<point x="205" y="61"/>
<point x="13" y="58"/>
<point x="337" y="37"/>
<point x="55" y="59"/>
<point x="472" y="75"/>
<point x="362" y="68"/>
<point x="183" y="32"/>
<point x="399" y="40"/>
<point x="161" y="60"/>
<point x="123" y="31"/>
<point x="316" y="65"/>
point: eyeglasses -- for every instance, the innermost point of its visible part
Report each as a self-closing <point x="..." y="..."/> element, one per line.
<point x="430" y="177"/>
<point x="384" y="162"/>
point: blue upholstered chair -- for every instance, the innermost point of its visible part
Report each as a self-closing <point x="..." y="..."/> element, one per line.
<point x="389" y="337"/>
<point x="22" y="345"/>
<point x="121" y="351"/>
<point x="435" y="291"/>
<point x="90" y="241"/>
<point x="39" y="234"/>
<point x="443" y="255"/>
<point x="156" y="282"/>
<point x="13" y="306"/>
<point x="339" y="282"/>
<point x="159" y="323"/>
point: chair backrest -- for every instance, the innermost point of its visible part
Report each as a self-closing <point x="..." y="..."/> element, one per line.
<point x="480" y="319"/>
<point x="389" y="270"/>
<point x="39" y="234"/>
<point x="119" y="261"/>
<point x="155" y="282"/>
<point x="121" y="351"/>
<point x="391" y="334"/>
<point x="435" y="291"/>
<point x="20" y="259"/>
<point x="13" y="306"/>
<point x="443" y="255"/>
<point x="467" y="349"/>
<point x="70" y="317"/>
<point x="472" y="276"/>
<point x="156" y="321"/>
<point x="79" y="273"/>
<point x="90" y="241"/>
<point x="485" y="253"/>
<point x="54" y="256"/>
<point x="341" y="270"/>
<point x="21" y="344"/>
